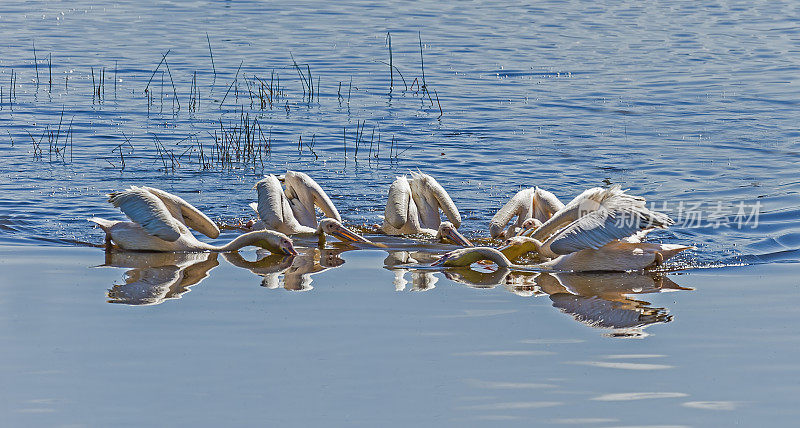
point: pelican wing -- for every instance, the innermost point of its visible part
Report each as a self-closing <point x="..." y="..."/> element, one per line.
<point x="396" y="213"/>
<point x="148" y="211"/>
<point x="441" y="196"/>
<point x="273" y="207"/>
<point x="310" y="193"/>
<point x="593" y="199"/>
<point x="190" y="215"/>
<point x="547" y="203"/>
<point x="604" y="225"/>
<point x="568" y="214"/>
<point x="519" y="205"/>
<point x="302" y="184"/>
<point x="427" y="207"/>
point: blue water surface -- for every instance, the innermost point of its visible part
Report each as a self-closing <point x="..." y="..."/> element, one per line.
<point x="692" y="105"/>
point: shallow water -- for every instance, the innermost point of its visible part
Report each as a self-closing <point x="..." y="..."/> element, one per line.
<point x="353" y="349"/>
<point x="691" y="105"/>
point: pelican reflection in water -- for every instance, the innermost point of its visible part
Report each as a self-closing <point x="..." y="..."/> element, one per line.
<point x="156" y="277"/>
<point x="596" y="299"/>
<point x="601" y="300"/>
<point x="421" y="280"/>
<point x="296" y="271"/>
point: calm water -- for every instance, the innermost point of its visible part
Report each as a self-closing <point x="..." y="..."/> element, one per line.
<point x="692" y="105"/>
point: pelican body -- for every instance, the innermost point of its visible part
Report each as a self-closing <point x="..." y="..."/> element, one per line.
<point x="413" y="206"/>
<point x="597" y="231"/>
<point x="627" y="211"/>
<point x="161" y="222"/>
<point x="615" y="256"/>
<point x="291" y="211"/>
<point x="531" y="206"/>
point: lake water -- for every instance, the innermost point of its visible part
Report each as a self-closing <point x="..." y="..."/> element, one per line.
<point x="691" y="105"/>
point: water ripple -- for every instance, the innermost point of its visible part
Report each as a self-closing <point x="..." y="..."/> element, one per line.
<point x="696" y="116"/>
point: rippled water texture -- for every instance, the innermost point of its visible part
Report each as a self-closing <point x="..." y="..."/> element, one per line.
<point x="692" y="105"/>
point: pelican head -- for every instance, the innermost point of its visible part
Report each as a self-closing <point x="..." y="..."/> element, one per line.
<point x="275" y="242"/>
<point x="516" y="246"/>
<point x="448" y="231"/>
<point x="463" y="257"/>
<point x="529" y="226"/>
<point x="333" y="227"/>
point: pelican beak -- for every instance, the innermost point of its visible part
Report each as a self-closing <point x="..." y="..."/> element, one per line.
<point x="455" y="236"/>
<point x="442" y="260"/>
<point x="345" y="235"/>
<point x="509" y="251"/>
<point x="290" y="251"/>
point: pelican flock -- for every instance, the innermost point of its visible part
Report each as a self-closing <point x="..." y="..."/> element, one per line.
<point x="601" y="229"/>
<point x="161" y="222"/>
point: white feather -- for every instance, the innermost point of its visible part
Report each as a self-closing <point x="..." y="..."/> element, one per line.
<point x="148" y="211"/>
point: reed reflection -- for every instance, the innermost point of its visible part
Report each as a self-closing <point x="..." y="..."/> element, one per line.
<point x="295" y="271"/>
<point x="156" y="277"/>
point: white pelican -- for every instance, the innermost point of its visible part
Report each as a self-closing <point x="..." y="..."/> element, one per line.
<point x="335" y="228"/>
<point x="447" y="231"/>
<point x="291" y="211"/>
<point x="531" y="207"/>
<point x="591" y="200"/>
<point x="413" y="206"/>
<point x="161" y="221"/>
<point x="591" y="242"/>
<point x="464" y="257"/>
<point x="617" y="255"/>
